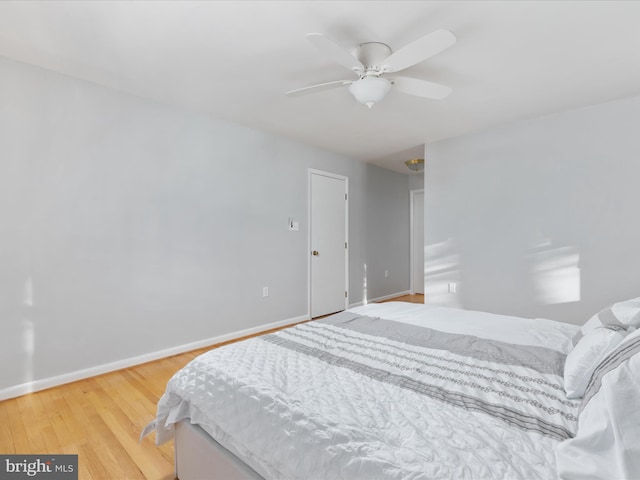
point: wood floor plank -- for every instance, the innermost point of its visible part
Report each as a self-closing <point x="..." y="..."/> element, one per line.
<point x="100" y="420"/>
<point x="140" y="453"/>
<point x="50" y="440"/>
<point x="90" y="465"/>
<point x="41" y="426"/>
<point x="6" y="437"/>
<point x="19" y="434"/>
<point x="33" y="423"/>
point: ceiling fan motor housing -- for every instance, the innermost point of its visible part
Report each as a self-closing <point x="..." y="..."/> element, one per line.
<point x="371" y="55"/>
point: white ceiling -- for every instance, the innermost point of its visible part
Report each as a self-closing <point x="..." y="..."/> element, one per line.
<point x="234" y="60"/>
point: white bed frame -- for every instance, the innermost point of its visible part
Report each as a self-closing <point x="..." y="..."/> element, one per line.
<point x="198" y="457"/>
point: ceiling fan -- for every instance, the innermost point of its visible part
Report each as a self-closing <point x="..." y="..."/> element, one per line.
<point x="371" y="60"/>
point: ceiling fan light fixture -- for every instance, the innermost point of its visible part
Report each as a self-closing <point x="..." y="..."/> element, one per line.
<point x="370" y="90"/>
<point x="415" y="164"/>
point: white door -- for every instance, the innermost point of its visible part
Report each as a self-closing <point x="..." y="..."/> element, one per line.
<point x="417" y="241"/>
<point x="328" y="243"/>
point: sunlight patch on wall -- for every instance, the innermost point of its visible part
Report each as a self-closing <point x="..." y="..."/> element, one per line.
<point x="28" y="331"/>
<point x="364" y="286"/>
<point x="441" y="267"/>
<point x="27" y="296"/>
<point x="556" y="273"/>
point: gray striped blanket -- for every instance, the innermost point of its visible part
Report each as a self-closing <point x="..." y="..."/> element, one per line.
<point x="355" y="397"/>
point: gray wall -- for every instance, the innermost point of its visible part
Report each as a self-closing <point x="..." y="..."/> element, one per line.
<point x="129" y="227"/>
<point x="385" y="243"/>
<point x="537" y="218"/>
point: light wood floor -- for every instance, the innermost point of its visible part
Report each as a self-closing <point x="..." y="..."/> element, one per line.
<point x="408" y="298"/>
<point x="100" y="419"/>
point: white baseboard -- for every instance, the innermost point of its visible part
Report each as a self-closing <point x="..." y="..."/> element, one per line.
<point x="380" y="299"/>
<point x="43" y="384"/>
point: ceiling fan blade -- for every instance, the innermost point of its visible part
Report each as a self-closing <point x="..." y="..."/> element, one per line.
<point x="317" y="88"/>
<point x="335" y="52"/>
<point x="421" y="88"/>
<point x="419" y="50"/>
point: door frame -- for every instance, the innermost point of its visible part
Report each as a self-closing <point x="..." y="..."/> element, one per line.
<point x="310" y="172"/>
<point x="412" y="194"/>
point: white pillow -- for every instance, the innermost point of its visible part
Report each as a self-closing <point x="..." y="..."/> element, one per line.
<point x="587" y="355"/>
<point x="623" y="315"/>
<point x="627" y="312"/>
<point x="607" y="443"/>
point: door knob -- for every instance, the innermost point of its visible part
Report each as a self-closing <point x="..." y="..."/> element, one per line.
<point x="315" y="253"/>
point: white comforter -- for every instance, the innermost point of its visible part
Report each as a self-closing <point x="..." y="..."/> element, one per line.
<point x="421" y="395"/>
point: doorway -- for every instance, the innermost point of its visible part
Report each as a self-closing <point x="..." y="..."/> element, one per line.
<point x="328" y="243"/>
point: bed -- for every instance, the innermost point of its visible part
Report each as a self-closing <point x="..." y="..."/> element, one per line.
<point x="402" y="391"/>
